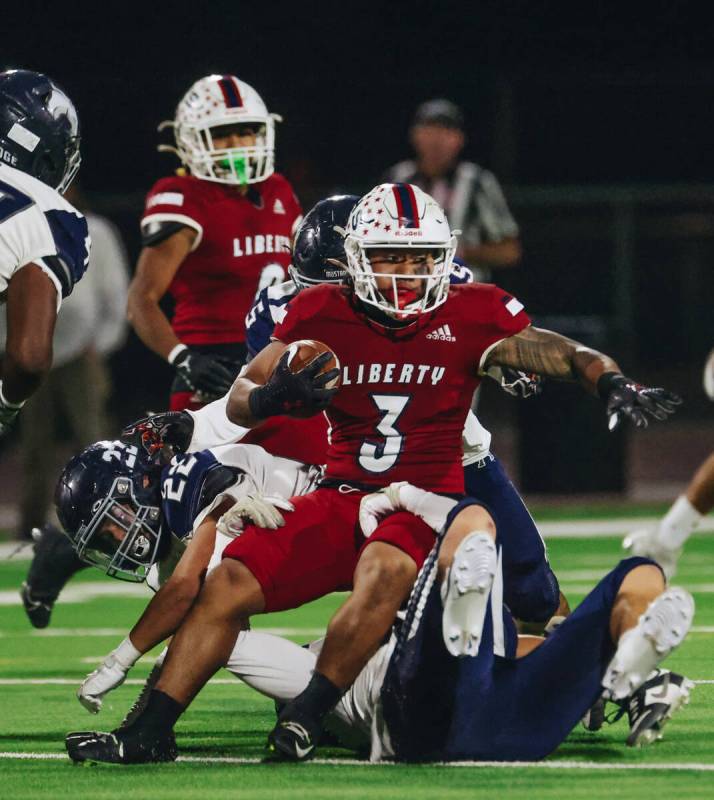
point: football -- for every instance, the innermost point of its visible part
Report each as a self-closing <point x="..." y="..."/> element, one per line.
<point x="305" y="351"/>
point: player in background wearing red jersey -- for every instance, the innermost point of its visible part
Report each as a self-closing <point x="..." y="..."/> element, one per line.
<point x="398" y="415"/>
<point x="213" y="237"/>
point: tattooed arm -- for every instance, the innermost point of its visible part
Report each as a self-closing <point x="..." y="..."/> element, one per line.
<point x="552" y="355"/>
<point x="556" y="356"/>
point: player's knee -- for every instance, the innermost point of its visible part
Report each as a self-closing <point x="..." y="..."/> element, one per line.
<point x="644" y="581"/>
<point x="384" y="571"/>
<point x="233" y="588"/>
<point x="468" y="520"/>
<point x="532" y="595"/>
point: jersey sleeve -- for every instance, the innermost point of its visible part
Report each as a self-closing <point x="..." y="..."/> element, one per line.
<point x="172" y="203"/>
<point x="506" y="316"/>
<point x="267" y="310"/>
<point x="56" y="240"/>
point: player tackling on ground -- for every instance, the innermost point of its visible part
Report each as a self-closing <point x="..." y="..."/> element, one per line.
<point x="398" y="415"/>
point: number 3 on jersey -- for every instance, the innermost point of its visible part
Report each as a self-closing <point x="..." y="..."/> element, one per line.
<point x="381" y="456"/>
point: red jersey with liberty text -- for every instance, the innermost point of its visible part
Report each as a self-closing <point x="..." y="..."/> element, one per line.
<point x="400" y="411"/>
<point x="242" y="244"/>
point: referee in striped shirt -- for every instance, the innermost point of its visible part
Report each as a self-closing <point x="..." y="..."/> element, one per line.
<point x="470" y="195"/>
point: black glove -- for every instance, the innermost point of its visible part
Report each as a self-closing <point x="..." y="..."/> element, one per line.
<point x="516" y="382"/>
<point x="204" y="373"/>
<point x="287" y="392"/>
<point x="161" y="436"/>
<point x="626" y="398"/>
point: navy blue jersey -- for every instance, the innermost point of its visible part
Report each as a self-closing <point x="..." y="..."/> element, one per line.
<point x="189" y="484"/>
<point x="38" y="226"/>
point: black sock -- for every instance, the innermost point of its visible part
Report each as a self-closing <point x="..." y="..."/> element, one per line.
<point x="160" y="714"/>
<point x="319" y="697"/>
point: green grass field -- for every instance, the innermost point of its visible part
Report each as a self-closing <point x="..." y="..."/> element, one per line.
<point x="222" y="736"/>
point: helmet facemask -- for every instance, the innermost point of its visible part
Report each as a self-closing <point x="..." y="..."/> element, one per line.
<point x="234" y="165"/>
<point x="131" y="557"/>
<point x="394" y="301"/>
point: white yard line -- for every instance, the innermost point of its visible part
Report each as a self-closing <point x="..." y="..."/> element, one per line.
<point x="677" y="766"/>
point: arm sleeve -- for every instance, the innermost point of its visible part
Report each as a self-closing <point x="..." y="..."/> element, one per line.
<point x="211" y="426"/>
<point x="171" y="204"/>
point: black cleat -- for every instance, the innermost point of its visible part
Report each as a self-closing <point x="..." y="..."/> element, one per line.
<point x="122" y="746"/>
<point x="53" y="564"/>
<point x="38" y="611"/>
<point x="649" y="708"/>
<point x="294" y="739"/>
<point x="594" y="718"/>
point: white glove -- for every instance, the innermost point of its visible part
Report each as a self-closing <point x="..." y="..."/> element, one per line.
<point x="402" y="496"/>
<point x="646" y="543"/>
<point x="111" y="674"/>
<point x="708" y="377"/>
<point x="261" y="511"/>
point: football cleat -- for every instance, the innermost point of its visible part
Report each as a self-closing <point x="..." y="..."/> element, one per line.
<point x="122" y="746"/>
<point x="660" y="629"/>
<point x="294" y="739"/>
<point x="645" y="543"/>
<point x="53" y="564"/>
<point x="38" y="611"/>
<point x="594" y="717"/>
<point x="649" y="708"/>
<point x="465" y="593"/>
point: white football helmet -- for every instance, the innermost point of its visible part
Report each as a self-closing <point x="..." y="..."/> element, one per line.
<point x="399" y="215"/>
<point x="212" y="102"/>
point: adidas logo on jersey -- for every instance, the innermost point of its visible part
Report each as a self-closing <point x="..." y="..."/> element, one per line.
<point x="278" y="207"/>
<point x="442" y="333"/>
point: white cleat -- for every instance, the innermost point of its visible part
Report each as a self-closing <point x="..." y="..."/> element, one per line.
<point x="660" y="629"/>
<point x="465" y="593"/>
<point x="644" y="542"/>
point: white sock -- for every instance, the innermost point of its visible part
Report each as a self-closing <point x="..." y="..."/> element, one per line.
<point x="678" y="524"/>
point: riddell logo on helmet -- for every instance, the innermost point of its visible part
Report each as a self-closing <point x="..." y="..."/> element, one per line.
<point x="7" y="157"/>
<point x="408" y="232"/>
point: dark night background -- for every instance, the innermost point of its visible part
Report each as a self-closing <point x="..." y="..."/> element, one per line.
<point x="598" y="121"/>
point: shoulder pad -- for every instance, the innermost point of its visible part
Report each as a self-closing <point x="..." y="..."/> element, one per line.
<point x="190" y="483"/>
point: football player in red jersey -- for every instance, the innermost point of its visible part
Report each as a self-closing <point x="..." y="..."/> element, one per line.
<point x="398" y="416"/>
<point x="213" y="237"/>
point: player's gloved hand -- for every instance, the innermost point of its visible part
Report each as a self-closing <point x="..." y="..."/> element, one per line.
<point x="211" y="376"/>
<point x="516" y="382"/>
<point x="287" y="391"/>
<point x="8" y="412"/>
<point x="254" y="508"/>
<point x="402" y="496"/>
<point x="161" y="436"/>
<point x="708" y="377"/>
<point x="627" y="398"/>
<point x="108" y="676"/>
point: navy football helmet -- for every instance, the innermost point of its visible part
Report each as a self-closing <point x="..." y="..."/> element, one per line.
<point x="319" y="249"/>
<point x="39" y="128"/>
<point x="108" y="499"/>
